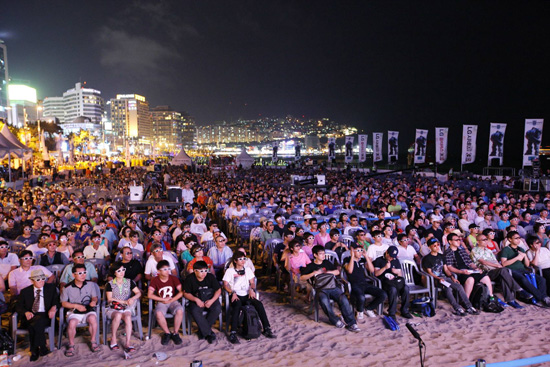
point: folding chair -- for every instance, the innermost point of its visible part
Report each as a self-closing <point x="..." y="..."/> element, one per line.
<point x="153" y="320"/>
<point x="106" y="321"/>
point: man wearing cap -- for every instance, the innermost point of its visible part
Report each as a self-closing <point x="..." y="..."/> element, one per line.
<point x="80" y="298"/>
<point x="388" y="269"/>
<point x="356" y="267"/>
<point x="37" y="305"/>
<point x="435" y="229"/>
<point x="209" y="235"/>
<point x="434" y="264"/>
<point x="19" y="278"/>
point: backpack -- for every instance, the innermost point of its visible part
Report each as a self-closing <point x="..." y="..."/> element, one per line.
<point x="252" y="327"/>
<point x="423" y="306"/>
<point x="6" y="342"/>
<point x="480" y="296"/>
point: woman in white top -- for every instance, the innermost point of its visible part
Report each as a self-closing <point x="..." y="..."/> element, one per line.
<point x="64" y="247"/>
<point x="250" y="209"/>
<point x="197" y="226"/>
<point x="125" y="237"/>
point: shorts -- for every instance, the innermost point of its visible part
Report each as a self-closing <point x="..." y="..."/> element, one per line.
<point x="477" y="277"/>
<point x="171" y="308"/>
<point x="81" y="317"/>
<point x="110" y="311"/>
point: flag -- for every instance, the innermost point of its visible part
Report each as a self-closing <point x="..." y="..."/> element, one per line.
<point x="496" y="142"/>
<point x="469" y="137"/>
<point x="275" y="157"/>
<point x="420" y="141"/>
<point x="393" y="146"/>
<point x="532" y="139"/>
<point x="441" y="139"/>
<point x="331" y="149"/>
<point x="377" y="146"/>
<point x="349" y="149"/>
<point x="363" y="147"/>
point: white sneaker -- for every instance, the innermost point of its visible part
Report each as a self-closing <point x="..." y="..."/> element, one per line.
<point x="360" y="315"/>
<point x="340" y="324"/>
<point x="370" y="313"/>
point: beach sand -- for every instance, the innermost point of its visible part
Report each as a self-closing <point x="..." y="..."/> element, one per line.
<point x="450" y="340"/>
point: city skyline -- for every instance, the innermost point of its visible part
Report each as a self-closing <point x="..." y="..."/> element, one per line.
<point x="398" y="65"/>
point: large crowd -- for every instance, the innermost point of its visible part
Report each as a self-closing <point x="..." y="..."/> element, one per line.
<point x="73" y="252"/>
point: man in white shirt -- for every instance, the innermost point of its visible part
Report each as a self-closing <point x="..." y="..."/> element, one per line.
<point x="406" y="251"/>
<point x="187" y="194"/>
<point x="219" y="255"/>
<point x="209" y="236"/>
<point x="377" y="249"/>
<point x="8" y="260"/>
<point x="157" y="254"/>
<point x="20" y="277"/>
<point x="539" y="256"/>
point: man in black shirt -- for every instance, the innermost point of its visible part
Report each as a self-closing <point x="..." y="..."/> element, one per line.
<point x="434" y="264"/>
<point x="133" y="267"/>
<point x="435" y="229"/>
<point x="203" y="291"/>
<point x="322" y="266"/>
<point x="388" y="269"/>
<point x="357" y="275"/>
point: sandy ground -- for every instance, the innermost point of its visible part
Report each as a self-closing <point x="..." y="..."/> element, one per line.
<point x="450" y="340"/>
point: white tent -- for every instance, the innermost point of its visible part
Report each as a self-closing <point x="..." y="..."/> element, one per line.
<point x="10" y="146"/>
<point x="244" y="159"/>
<point x="181" y="159"/>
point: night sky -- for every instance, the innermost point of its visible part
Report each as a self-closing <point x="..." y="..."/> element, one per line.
<point x="378" y="65"/>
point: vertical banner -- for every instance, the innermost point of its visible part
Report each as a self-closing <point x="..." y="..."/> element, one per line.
<point x="393" y="146"/>
<point x="496" y="141"/>
<point x="349" y="149"/>
<point x="377" y="146"/>
<point x="533" y="137"/>
<point x="297" y="152"/>
<point x="363" y="147"/>
<point x="331" y="149"/>
<point x="469" y="137"/>
<point x="275" y="156"/>
<point x="420" y="141"/>
<point x="441" y="139"/>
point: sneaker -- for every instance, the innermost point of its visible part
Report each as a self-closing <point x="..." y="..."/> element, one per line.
<point x="370" y="313"/>
<point x="460" y="312"/>
<point x="501" y="302"/>
<point x="210" y="338"/>
<point x="360" y="315"/>
<point x="176" y="338"/>
<point x="233" y="338"/>
<point x="340" y="324"/>
<point x="407" y="315"/>
<point x="472" y="311"/>
<point x="515" y="305"/>
<point x="269" y="334"/>
<point x="524" y="294"/>
<point x="165" y="339"/>
<point x="546" y="301"/>
<point x="353" y="328"/>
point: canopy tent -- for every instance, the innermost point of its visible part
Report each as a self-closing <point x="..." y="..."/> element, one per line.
<point x="181" y="159"/>
<point x="244" y="159"/>
<point x="10" y="146"/>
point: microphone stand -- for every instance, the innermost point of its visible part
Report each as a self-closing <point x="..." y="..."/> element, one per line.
<point x="420" y="346"/>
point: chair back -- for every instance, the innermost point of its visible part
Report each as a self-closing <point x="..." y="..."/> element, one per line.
<point x="332" y="257"/>
<point x="408" y="268"/>
<point x="346" y="239"/>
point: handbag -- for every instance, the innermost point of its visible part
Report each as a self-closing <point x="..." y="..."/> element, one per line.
<point x="325" y="281"/>
<point x="396" y="282"/>
<point x="204" y="294"/>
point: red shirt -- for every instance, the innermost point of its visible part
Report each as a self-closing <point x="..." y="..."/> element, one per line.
<point x="166" y="289"/>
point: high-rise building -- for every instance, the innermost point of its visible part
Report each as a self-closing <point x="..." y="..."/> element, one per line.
<point x="131" y="118"/>
<point x="86" y="102"/>
<point x="76" y="102"/>
<point x="167" y="128"/>
<point x="4" y="80"/>
<point x="23" y="104"/>
<point x="189" y="132"/>
<point x="54" y="107"/>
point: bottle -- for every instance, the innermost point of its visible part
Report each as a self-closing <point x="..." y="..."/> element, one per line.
<point x="4" y="361"/>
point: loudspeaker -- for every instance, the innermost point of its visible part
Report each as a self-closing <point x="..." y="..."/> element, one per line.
<point x="174" y="193"/>
<point x="136" y="193"/>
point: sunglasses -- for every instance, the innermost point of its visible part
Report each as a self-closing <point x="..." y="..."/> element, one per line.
<point x="4" y="246"/>
<point x="121" y="270"/>
<point x="201" y="270"/>
<point x="79" y="257"/>
<point x="359" y="250"/>
<point x="81" y="272"/>
<point x="157" y="250"/>
<point x="39" y="279"/>
<point x="242" y="258"/>
<point x="164" y="269"/>
<point x="27" y="258"/>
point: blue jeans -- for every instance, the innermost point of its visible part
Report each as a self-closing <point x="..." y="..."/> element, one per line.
<point x="358" y="292"/>
<point x="339" y="297"/>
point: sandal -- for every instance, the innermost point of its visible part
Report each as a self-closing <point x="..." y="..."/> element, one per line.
<point x="130" y="349"/>
<point x="94" y="347"/>
<point x="114" y="347"/>
<point x="70" y="351"/>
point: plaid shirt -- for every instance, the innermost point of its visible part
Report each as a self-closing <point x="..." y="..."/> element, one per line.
<point x="451" y="260"/>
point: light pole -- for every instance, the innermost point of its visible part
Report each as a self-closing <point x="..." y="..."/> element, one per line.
<point x="38" y="109"/>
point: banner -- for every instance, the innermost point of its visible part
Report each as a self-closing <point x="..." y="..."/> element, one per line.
<point x="441" y="139"/>
<point x="496" y="141"/>
<point x="349" y="149"/>
<point x="363" y="147"/>
<point x="420" y="141"/>
<point x="393" y="146"/>
<point x="297" y="152"/>
<point x="275" y="157"/>
<point x="331" y="149"/>
<point x="533" y="137"/>
<point x="469" y="137"/>
<point x="377" y="146"/>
